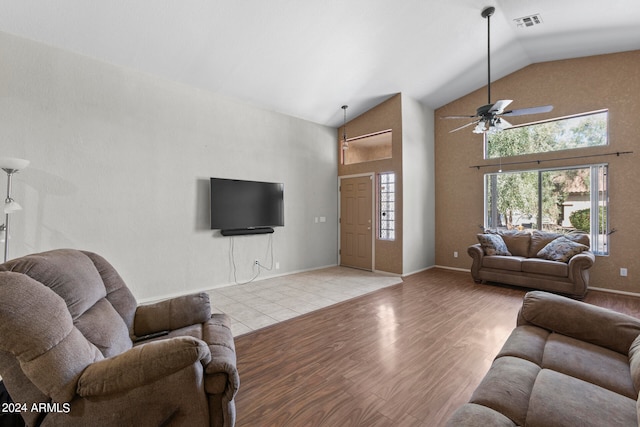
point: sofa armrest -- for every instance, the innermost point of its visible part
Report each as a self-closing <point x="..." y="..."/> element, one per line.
<point x="578" y="266"/>
<point x="141" y="365"/>
<point x="476" y="253"/>
<point x="172" y="314"/>
<point x="579" y="320"/>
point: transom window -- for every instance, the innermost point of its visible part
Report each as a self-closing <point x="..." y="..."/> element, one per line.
<point x="564" y="133"/>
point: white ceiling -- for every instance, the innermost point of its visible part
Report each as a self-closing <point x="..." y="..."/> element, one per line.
<point x="307" y="58"/>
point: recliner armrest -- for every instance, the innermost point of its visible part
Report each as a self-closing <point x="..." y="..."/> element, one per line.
<point x="172" y="314"/>
<point x="141" y="365"/>
<point x="579" y="320"/>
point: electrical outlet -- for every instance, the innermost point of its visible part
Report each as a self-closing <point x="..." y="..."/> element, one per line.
<point x="277" y="265"/>
<point x="455" y="254"/>
<point x="256" y="262"/>
<point x="623" y="272"/>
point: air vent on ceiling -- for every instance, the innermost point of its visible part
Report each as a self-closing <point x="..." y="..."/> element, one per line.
<point x="528" y="21"/>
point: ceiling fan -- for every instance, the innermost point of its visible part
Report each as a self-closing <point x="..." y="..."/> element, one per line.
<point x="490" y="117"/>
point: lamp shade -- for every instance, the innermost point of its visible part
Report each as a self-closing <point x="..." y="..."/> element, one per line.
<point x="11" y="206"/>
<point x="11" y="164"/>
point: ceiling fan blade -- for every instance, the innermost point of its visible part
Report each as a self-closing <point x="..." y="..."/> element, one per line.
<point x="464" y="126"/>
<point x="458" y="117"/>
<point x="499" y="106"/>
<point x="532" y="110"/>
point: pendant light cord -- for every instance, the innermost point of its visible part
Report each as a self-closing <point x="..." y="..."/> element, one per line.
<point x="344" y="124"/>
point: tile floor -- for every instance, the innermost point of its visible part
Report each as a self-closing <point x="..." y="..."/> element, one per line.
<point x="262" y="303"/>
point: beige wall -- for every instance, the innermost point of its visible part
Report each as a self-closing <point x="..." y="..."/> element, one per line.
<point x="571" y="86"/>
<point x="387" y="115"/>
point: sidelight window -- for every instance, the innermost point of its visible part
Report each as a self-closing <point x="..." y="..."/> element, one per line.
<point x="386" y="206"/>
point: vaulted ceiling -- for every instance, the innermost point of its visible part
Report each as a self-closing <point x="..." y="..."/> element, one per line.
<point x="307" y="58"/>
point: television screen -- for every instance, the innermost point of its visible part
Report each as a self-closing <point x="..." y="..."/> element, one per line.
<point x="237" y="204"/>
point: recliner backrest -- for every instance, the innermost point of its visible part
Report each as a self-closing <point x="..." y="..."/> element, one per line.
<point x="37" y="336"/>
<point x="100" y="304"/>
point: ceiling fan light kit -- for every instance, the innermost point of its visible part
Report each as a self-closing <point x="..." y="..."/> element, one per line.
<point x="489" y="117"/>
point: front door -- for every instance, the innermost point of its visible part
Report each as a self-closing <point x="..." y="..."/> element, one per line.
<point x="356" y="214"/>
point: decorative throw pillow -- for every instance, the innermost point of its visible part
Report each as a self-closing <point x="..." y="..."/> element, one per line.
<point x="492" y="244"/>
<point x="561" y="249"/>
<point x="540" y="239"/>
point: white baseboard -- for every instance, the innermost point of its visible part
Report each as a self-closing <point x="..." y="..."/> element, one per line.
<point x="614" y="291"/>
<point x="467" y="270"/>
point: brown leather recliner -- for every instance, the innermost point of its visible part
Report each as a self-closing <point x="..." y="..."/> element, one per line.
<point x="71" y="353"/>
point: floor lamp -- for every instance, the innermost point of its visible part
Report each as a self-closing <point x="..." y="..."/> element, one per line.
<point x="10" y="166"/>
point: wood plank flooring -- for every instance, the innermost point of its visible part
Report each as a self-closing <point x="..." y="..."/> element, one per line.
<point x="407" y="355"/>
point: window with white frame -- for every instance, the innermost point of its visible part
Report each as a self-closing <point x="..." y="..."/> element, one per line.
<point x="560" y="200"/>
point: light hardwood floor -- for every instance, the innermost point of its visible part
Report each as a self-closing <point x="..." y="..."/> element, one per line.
<point x="407" y="355"/>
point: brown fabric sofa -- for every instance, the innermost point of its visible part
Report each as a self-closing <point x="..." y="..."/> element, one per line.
<point x="567" y="363"/>
<point x="70" y="348"/>
<point x="523" y="266"/>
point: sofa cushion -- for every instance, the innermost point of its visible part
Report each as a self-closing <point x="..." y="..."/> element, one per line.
<point x="492" y="244"/>
<point x="511" y="263"/>
<point x="526" y="342"/>
<point x="517" y="241"/>
<point x="472" y="415"/>
<point x="507" y="387"/>
<point x="588" y="362"/>
<point x="540" y="239"/>
<point x="561" y="249"/>
<point x="579" y="237"/>
<point x="586" y="322"/>
<point x="634" y="363"/>
<point x="561" y="400"/>
<point x="543" y="266"/>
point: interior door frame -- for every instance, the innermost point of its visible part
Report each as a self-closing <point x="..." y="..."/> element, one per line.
<point x="374" y="226"/>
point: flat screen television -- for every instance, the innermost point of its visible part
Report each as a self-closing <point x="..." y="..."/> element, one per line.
<point x="246" y="207"/>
